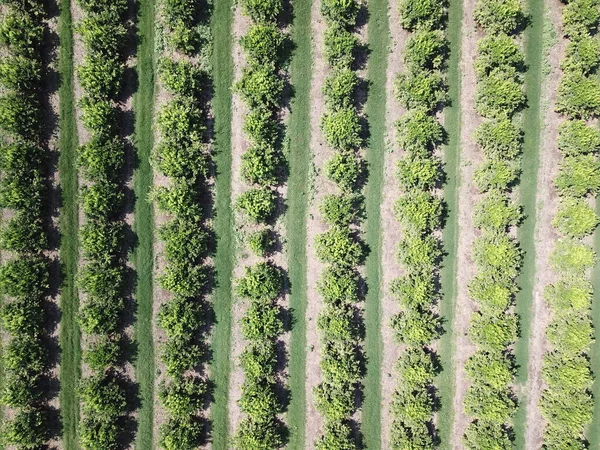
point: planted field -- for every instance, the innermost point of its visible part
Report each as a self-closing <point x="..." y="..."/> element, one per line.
<point x="304" y="224"/>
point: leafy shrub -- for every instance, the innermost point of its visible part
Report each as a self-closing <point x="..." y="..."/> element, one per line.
<point x="582" y="55"/>
<point x="335" y="402"/>
<point x="258" y="204"/>
<point x="183" y="398"/>
<point x="339" y="284"/>
<point x="181" y="317"/>
<point x="497" y="255"/>
<point x="339" y="246"/>
<point x="576" y="138"/>
<point x="260" y="87"/>
<point x="260" y="282"/>
<point x="493" y="334"/>
<point x="578" y="175"/>
<point x="342" y="12"/>
<point x="262" y="10"/>
<point x="498" y="52"/>
<point x="497" y="174"/>
<point x="498" y="16"/>
<point x="339" y="88"/>
<point x="570" y="334"/>
<point x="259" y="400"/>
<point x="342" y="128"/>
<point x="427" y="15"/>
<point x="418" y="211"/>
<point x="419" y="173"/>
<point x="345" y="169"/>
<point x="499" y="95"/>
<point x="418" y="132"/>
<point x="337" y="436"/>
<point x="260" y="165"/>
<point x="420" y="253"/>
<point x="493" y="369"/>
<point x="580" y="18"/>
<point x="338" y="324"/>
<point x="421" y="90"/>
<point x="342" y="209"/>
<point x="100" y="77"/>
<point x="489" y="405"/>
<point x="258" y="360"/>
<point x="340" y="46"/>
<point x="414" y="290"/>
<point x="578" y="96"/>
<point x="566" y="372"/>
<point x="253" y="434"/>
<point x="103" y="396"/>
<point x="29" y="429"/>
<point x="575" y="218"/>
<point x="570" y="294"/>
<point x="260" y="127"/>
<point x="499" y="139"/>
<point x="181" y="433"/>
<point x="426" y="50"/>
<point x="483" y="435"/>
<point x="339" y="363"/>
<point x="495" y="211"/>
<point x="492" y="296"/>
<point x="102" y="160"/>
<point x="261" y="242"/>
<point x="416" y="328"/>
<point x="103" y="353"/>
<point x="182" y="77"/>
<point x="20" y="73"/>
<point x="264" y="44"/>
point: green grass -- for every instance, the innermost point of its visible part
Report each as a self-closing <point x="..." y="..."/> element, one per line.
<point x="593" y="433"/>
<point x="375" y="109"/>
<point x="143" y="106"/>
<point x="298" y="187"/>
<point x="532" y="120"/>
<point x="224" y="227"/>
<point x="70" y="335"/>
<point x="452" y="123"/>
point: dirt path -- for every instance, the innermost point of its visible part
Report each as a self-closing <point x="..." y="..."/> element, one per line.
<point x="470" y="158"/>
<point x="321" y="153"/>
<point x="238" y="147"/>
<point x="545" y="238"/>
<point x="391" y="233"/>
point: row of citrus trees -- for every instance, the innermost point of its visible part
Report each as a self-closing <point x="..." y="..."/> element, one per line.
<point x="183" y="157"/>
<point x="340" y="248"/>
<point x="421" y="90"/>
<point x="261" y="86"/>
<point x="24" y="274"/>
<point x="102" y="278"/>
<point x="499" y="65"/>
<point x="567" y="403"/>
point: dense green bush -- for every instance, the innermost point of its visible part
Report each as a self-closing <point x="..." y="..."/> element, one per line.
<point x="342" y="128"/>
<point x="578" y="96"/>
<point x="498" y="16"/>
<point x="418" y="211"/>
<point x="419" y="14"/>
<point x="418" y="172"/>
<point x="421" y="90"/>
<point x="260" y="87"/>
<point x="575" y="218"/>
<point x="340" y="47"/>
<point x="264" y="44"/>
<point x="496" y="212"/>
<point x="339" y="88"/>
<point x="418" y="132"/>
<point x="578" y="175"/>
<point x="580" y="18"/>
<point x="261" y="242"/>
<point x="342" y="12"/>
<point x="499" y="139"/>
<point x="339" y="246"/>
<point x="426" y="49"/>
<point x="498" y="52"/>
<point x="345" y="169"/>
<point x="582" y="55"/>
<point x="499" y="95"/>
<point x="341" y="210"/>
<point x="262" y="10"/>
<point x="260" y="282"/>
<point x="577" y="138"/>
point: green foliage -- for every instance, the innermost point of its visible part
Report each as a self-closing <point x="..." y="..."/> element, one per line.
<point x="338" y="325"/>
<point x="493" y="334"/>
<point x="418" y="211"/>
<point x="575" y="137"/>
<point x="339" y="88"/>
<point x="103" y="353"/>
<point x="339" y="363"/>
<point x="334" y="402"/>
<point x="575" y="218"/>
<point x="258" y="204"/>
<point x="568" y="373"/>
<point x="103" y="396"/>
<point x="494" y="369"/>
<point x="345" y="168"/>
<point x="578" y="175"/>
<point x="182" y="77"/>
<point x="496" y="174"/>
<point x="489" y="405"/>
<point x="264" y="44"/>
<point x="416" y="328"/>
<point x="570" y="334"/>
<point x="258" y="435"/>
<point x="342" y="128"/>
<point x="418" y="132"/>
<point x="414" y="290"/>
<point x="578" y="96"/>
<point x="342" y="209"/>
<point x="483" y="435"/>
<point x="260" y="127"/>
<point x="420" y="253"/>
<point x="426" y="49"/>
<point x="260" y="242"/>
<point x="499" y="95"/>
<point x="342" y="12"/>
<point x="421" y="90"/>
<point x="100" y="77"/>
<point x="340" y="46"/>
<point x="181" y="317"/>
<point x="498" y="256"/>
<point x="418" y="172"/>
<point x="258" y="360"/>
<point x="260" y="165"/>
<point x="102" y="160"/>
<point x="572" y="293"/>
<point x="339" y="284"/>
<point x="339" y="246"/>
<point x="498" y="16"/>
<point x="582" y="55"/>
<point x="184" y="397"/>
<point x="260" y="87"/>
<point x="493" y="296"/>
<point x="572" y="256"/>
<point x="29" y="429"/>
<point x="496" y="212"/>
<point x="259" y="400"/>
<point x="337" y="436"/>
<point x="419" y="14"/>
<point x="181" y="433"/>
<point x="20" y="73"/>
<point x="499" y="139"/>
<point x="580" y="18"/>
<point x="498" y="52"/>
<point x="260" y="282"/>
<point x="262" y="10"/>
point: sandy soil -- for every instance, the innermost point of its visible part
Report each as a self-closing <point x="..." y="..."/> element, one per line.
<point x="390" y="228"/>
<point x="238" y="147"/>
<point x="470" y="158"/>
<point x="321" y="153"/>
<point x="547" y="201"/>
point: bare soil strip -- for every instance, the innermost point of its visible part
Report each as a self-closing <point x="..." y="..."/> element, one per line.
<point x="391" y="233"/>
<point x="470" y="158"/>
<point x="320" y="186"/>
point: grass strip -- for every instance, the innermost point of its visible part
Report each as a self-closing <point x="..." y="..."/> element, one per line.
<point x="534" y="35"/>
<point x="222" y="19"/>
<point x="379" y="46"/>
<point x="593" y="434"/>
<point x="299" y="159"/>
<point x="448" y="271"/>
<point x="70" y="335"/>
<point x="143" y="106"/>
